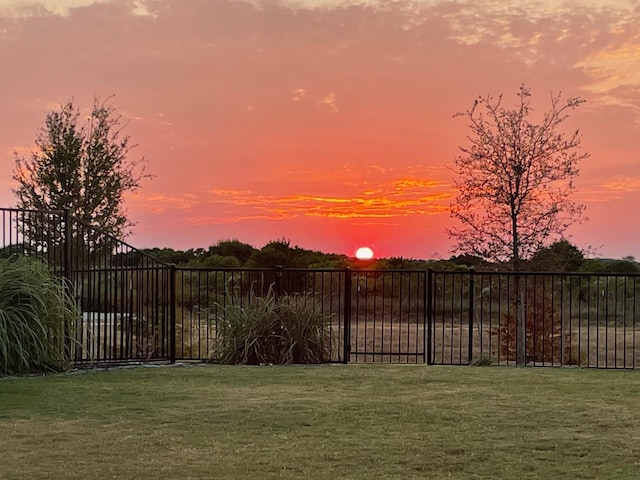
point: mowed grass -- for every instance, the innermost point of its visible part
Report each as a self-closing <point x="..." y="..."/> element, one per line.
<point x="322" y="422"/>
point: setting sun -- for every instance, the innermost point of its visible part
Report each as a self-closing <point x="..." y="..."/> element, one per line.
<point x="364" y="253"/>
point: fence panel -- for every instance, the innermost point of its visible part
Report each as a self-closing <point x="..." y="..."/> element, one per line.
<point x="124" y="296"/>
<point x="590" y="320"/>
<point x="388" y="316"/>
<point x="450" y="318"/>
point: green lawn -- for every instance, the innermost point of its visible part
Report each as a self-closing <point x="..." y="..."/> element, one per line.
<point x="327" y="422"/>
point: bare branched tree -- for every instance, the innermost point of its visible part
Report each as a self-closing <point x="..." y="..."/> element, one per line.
<point x="514" y="182"/>
<point x="515" y="179"/>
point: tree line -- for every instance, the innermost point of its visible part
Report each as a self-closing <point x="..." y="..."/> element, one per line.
<point x="561" y="256"/>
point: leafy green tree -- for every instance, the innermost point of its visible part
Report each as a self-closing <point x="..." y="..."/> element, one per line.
<point x="83" y="166"/>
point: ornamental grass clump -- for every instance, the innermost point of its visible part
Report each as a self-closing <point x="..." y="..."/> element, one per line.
<point x="37" y="315"/>
<point x="271" y="329"/>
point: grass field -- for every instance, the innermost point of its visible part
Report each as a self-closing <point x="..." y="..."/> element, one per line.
<point x="323" y="422"/>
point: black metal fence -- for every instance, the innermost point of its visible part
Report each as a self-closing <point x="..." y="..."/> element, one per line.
<point x="126" y="297"/>
<point x="570" y="319"/>
<point x="135" y="308"/>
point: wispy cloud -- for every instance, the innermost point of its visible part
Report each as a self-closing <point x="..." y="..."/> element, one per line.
<point x="400" y="198"/>
<point x="623" y="184"/>
<point x="614" y="70"/>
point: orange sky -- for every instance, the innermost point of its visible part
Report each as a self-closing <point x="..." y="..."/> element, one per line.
<point x="328" y="123"/>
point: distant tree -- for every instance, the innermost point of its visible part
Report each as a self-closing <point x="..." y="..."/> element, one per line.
<point x="514" y="182"/>
<point x="560" y="256"/>
<point x="82" y="166"/>
<point x="233" y="248"/>
<point x="469" y="261"/>
<point x="219" y="261"/>
<point x="278" y="253"/>
<point x="168" y="255"/>
<point x="515" y="179"/>
<point x="330" y="261"/>
<point x="598" y="265"/>
<point x="400" y="263"/>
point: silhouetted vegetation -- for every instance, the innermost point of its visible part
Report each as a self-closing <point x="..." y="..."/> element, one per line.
<point x="560" y="257"/>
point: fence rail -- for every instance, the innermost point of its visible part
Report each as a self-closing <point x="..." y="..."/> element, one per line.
<point x="135" y="308"/>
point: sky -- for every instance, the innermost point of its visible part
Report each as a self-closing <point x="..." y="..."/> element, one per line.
<point x="328" y="123"/>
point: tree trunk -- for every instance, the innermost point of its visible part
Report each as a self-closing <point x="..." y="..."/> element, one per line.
<point x="521" y="322"/>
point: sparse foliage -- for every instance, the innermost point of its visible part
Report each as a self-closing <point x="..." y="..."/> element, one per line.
<point x="515" y="179"/>
<point x="82" y="166"/>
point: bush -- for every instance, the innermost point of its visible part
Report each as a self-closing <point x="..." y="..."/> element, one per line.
<point x="546" y="339"/>
<point x="37" y="315"/>
<point x="271" y="329"/>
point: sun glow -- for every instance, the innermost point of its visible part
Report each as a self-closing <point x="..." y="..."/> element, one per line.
<point x="364" y="253"/>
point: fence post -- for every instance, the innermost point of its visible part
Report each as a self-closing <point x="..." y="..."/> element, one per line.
<point x="346" y="353"/>
<point x="172" y="312"/>
<point x="471" y="306"/>
<point x="429" y="300"/>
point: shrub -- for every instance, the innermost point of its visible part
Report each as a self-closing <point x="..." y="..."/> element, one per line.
<point x="271" y="329"/>
<point x="546" y="339"/>
<point x="37" y="315"/>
